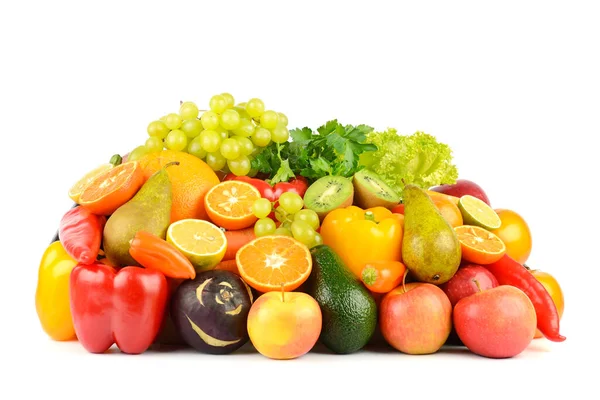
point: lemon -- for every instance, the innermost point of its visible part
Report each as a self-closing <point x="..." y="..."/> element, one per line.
<point x="202" y="242"/>
<point x="476" y="212"/>
<point x="82" y="183"/>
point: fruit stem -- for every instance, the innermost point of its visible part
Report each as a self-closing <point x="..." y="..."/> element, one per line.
<point x="404" y="280"/>
<point x="171" y="163"/>
<point x="282" y="294"/>
<point x="116" y="160"/>
<point x="369" y="216"/>
<point x="478" y="286"/>
<point x="369" y="275"/>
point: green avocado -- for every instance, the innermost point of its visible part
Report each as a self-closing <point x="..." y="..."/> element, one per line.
<point x="348" y="309"/>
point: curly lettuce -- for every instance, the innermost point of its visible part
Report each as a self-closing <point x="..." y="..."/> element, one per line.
<point x="417" y="159"/>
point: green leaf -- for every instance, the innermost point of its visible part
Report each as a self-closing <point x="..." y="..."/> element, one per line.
<point x="283" y="174"/>
<point x="321" y="166"/>
<point x="301" y="135"/>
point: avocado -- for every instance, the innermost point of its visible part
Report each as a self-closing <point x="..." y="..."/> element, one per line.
<point x="348" y="309"/>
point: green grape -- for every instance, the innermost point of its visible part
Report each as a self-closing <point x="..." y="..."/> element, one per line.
<point x="230" y="120"/>
<point x="173" y="121"/>
<point x="261" y="137"/>
<point x="163" y="119"/>
<point x="264" y="227"/>
<point x="261" y="208"/>
<point x="255" y="107"/>
<point x="308" y="216"/>
<point x="240" y="166"/>
<point x="318" y="240"/>
<point x="154" y="144"/>
<point x="282" y="119"/>
<point x="291" y="202"/>
<point x="224" y="133"/>
<point x="240" y="108"/>
<point x="218" y="103"/>
<point x="246" y="145"/>
<point x="210" y="141"/>
<point x="229" y="99"/>
<point x="287" y="224"/>
<point x="188" y="110"/>
<point x="158" y="129"/>
<point x="230" y="149"/>
<point x="280" y="214"/>
<point x="210" y="120"/>
<point x="269" y="119"/>
<point x="282" y="231"/>
<point x="191" y="127"/>
<point x="176" y="140"/>
<point x="216" y="161"/>
<point x="303" y="232"/>
<point x="195" y="148"/>
<point x="280" y="134"/>
<point x="137" y="153"/>
<point x="253" y="171"/>
<point x="246" y="128"/>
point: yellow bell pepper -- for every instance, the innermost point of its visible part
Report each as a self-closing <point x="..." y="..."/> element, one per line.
<point x="52" y="301"/>
<point x="360" y="236"/>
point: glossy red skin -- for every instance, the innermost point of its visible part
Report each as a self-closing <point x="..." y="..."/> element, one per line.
<point x="296" y="185"/>
<point x="461" y="188"/>
<point x="463" y="283"/>
<point x="399" y="209"/>
<point x="125" y="307"/>
<point x="496" y="323"/>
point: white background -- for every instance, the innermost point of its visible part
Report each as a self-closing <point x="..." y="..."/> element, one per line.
<point x="512" y="87"/>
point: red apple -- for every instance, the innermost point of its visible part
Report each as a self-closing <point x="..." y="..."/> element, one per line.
<point x="461" y="188"/>
<point x="496" y="323"/>
<point x="465" y="280"/>
<point x="417" y="320"/>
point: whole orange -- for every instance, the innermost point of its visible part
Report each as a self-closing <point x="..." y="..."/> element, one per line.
<point x="515" y="234"/>
<point x="190" y="181"/>
<point x="555" y="291"/>
<point x="449" y="211"/>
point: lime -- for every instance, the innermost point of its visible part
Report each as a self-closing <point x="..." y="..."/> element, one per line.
<point x="202" y="242"/>
<point x="79" y="186"/>
<point x="475" y="212"/>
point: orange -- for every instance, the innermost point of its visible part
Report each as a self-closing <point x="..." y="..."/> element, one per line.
<point x="274" y="262"/>
<point x="449" y="210"/>
<point x="515" y="234"/>
<point x="112" y="188"/>
<point x="229" y="204"/>
<point x="190" y="181"/>
<point x="552" y="286"/>
<point x="479" y="245"/>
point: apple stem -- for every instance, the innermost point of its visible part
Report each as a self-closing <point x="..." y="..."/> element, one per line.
<point x="478" y="286"/>
<point x="282" y="294"/>
<point x="404" y="280"/>
<point x="167" y="165"/>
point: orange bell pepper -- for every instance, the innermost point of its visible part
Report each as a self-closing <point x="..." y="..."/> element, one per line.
<point x="361" y="236"/>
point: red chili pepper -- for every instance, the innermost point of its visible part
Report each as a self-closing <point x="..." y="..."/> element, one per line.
<point x="297" y="185"/>
<point x="156" y="253"/>
<point x="125" y="307"/>
<point x="80" y="233"/>
<point x="509" y="272"/>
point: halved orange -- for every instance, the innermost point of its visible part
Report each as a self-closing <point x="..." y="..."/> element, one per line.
<point x="79" y="186"/>
<point x="113" y="188"/>
<point x="479" y="245"/>
<point x="271" y="263"/>
<point x="229" y="204"/>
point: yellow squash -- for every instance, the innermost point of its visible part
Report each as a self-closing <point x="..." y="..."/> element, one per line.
<point x="360" y="236"/>
<point x="52" y="301"/>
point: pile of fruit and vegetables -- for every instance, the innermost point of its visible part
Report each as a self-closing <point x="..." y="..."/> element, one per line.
<point x="226" y="228"/>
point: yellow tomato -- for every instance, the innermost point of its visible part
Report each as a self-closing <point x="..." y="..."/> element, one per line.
<point x="515" y="234"/>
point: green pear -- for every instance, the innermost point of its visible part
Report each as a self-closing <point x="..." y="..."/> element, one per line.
<point x="149" y="210"/>
<point x="430" y="247"/>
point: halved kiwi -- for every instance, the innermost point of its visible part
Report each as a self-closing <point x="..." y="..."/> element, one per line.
<point x="371" y="191"/>
<point x="328" y="193"/>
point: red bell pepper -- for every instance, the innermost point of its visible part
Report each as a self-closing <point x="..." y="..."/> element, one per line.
<point x="80" y="233"/>
<point x="509" y="272"/>
<point x="297" y="185"/>
<point x="125" y="307"/>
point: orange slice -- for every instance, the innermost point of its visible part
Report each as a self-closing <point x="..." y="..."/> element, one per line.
<point x="229" y="204"/>
<point x="271" y="263"/>
<point x="479" y="245"/>
<point x="112" y="188"/>
<point x="85" y="180"/>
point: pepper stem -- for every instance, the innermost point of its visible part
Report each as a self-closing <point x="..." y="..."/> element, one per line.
<point x="369" y="216"/>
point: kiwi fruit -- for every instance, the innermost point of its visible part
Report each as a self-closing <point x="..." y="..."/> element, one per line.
<point x="328" y="193"/>
<point x="371" y="191"/>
